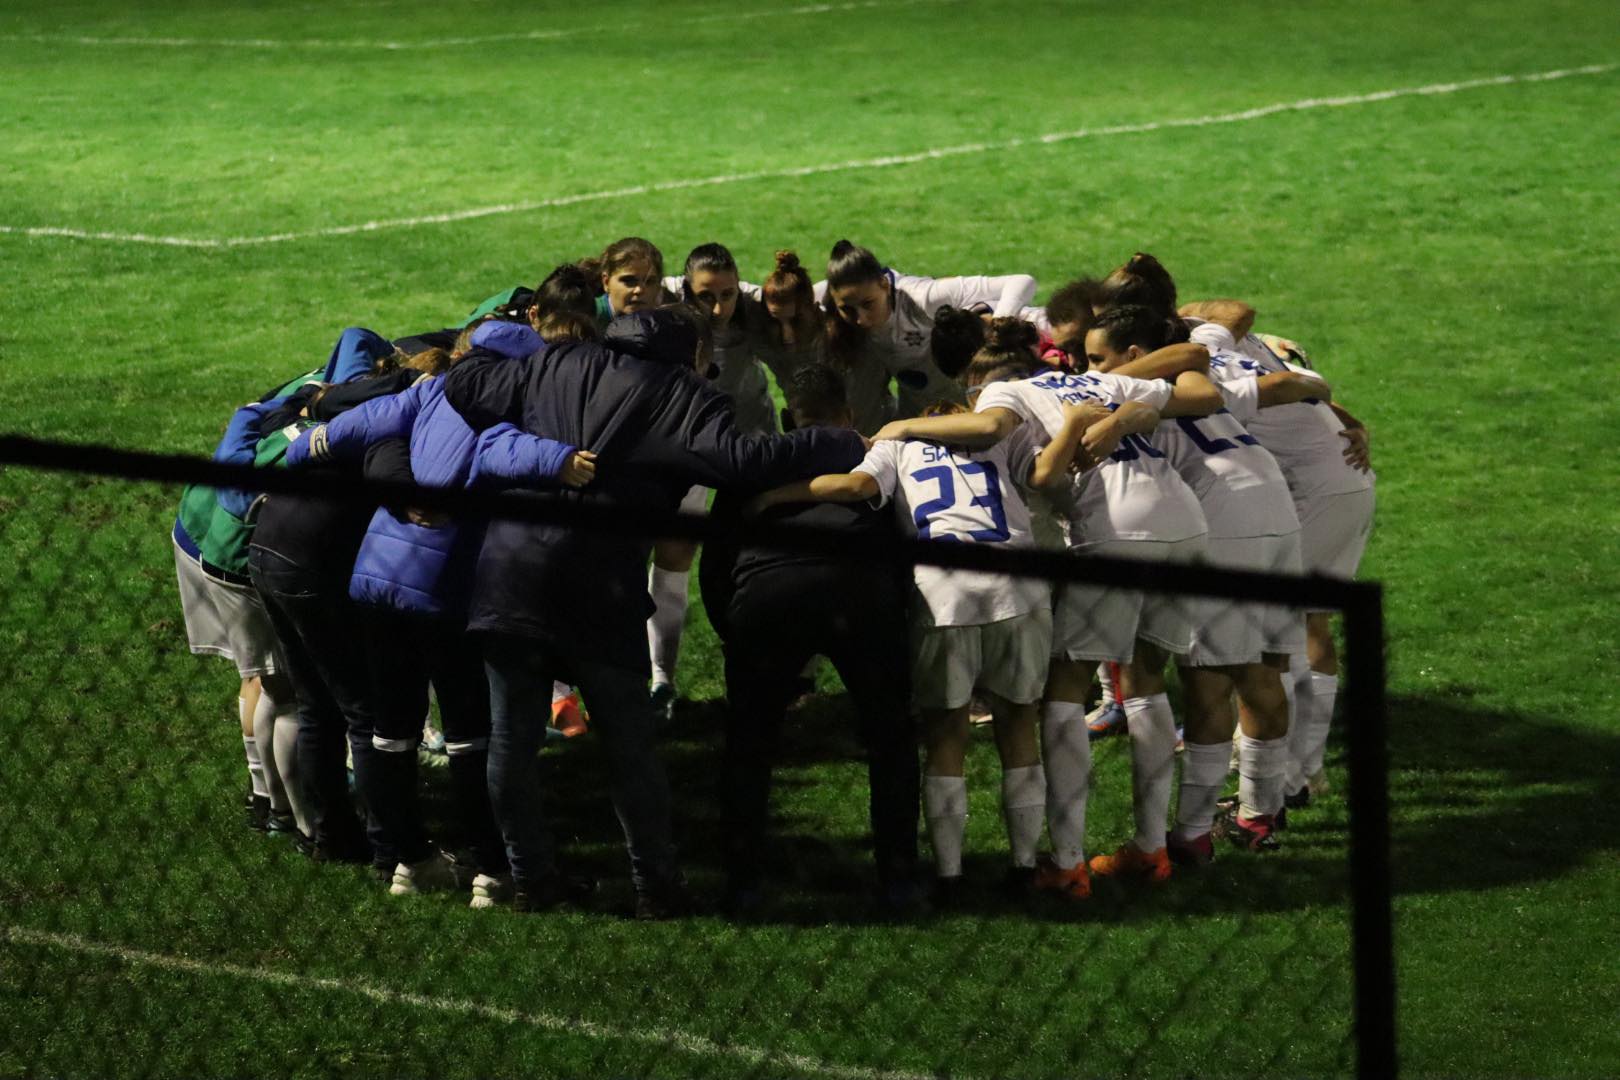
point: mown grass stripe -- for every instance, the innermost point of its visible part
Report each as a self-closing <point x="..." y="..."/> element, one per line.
<point x="887" y="161"/>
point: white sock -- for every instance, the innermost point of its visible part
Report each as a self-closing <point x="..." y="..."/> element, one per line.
<point x="1023" y="805"/>
<point x="1153" y="767"/>
<point x="1105" y="677"/>
<point x="1203" y="773"/>
<point x="1066" y="756"/>
<point x="250" y="747"/>
<point x="1260" y="776"/>
<point x="1297" y="687"/>
<point x="1324" y="691"/>
<point x="945" y="807"/>
<point x="668" y="589"/>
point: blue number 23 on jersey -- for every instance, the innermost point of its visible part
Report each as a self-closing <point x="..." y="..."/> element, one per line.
<point x="944" y="476"/>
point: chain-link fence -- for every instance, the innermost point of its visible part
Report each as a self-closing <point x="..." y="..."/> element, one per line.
<point x="149" y="930"/>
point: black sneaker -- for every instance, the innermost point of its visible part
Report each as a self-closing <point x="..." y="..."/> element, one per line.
<point x="1018" y="883"/>
<point x="949" y="893"/>
<point x="258" y="813"/>
<point x="667" y="898"/>
<point x="1298" y="800"/>
<point x="554" y="891"/>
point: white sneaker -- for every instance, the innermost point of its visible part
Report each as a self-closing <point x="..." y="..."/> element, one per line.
<point x="488" y="892"/>
<point x="439" y="872"/>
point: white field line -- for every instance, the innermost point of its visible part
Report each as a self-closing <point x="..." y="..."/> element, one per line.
<point x="662" y="1038"/>
<point x="938" y="153"/>
<point x="455" y="42"/>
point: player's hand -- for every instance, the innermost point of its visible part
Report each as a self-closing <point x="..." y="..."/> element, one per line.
<point x="1102" y="439"/>
<point x="1356" y="452"/>
<point x="1086" y="414"/>
<point x="580" y="469"/>
<point x="894" y="430"/>
<point x="428" y="519"/>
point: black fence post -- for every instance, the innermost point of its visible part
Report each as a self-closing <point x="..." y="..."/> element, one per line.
<point x="1372" y="920"/>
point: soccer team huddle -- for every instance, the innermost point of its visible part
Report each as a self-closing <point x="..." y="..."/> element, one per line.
<point x="1114" y="420"/>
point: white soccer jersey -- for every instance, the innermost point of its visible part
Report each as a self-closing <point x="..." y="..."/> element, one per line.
<point x="1239" y="485"/>
<point x="901" y="344"/>
<point x="1303" y="436"/>
<point x="962" y="496"/>
<point x="1135" y="494"/>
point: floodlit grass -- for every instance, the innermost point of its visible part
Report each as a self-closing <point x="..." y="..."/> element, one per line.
<point x="1450" y="261"/>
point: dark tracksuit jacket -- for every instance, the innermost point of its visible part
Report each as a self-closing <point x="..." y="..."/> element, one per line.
<point x="657" y="428"/>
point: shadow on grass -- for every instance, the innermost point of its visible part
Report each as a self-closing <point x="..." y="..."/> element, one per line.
<point x="1467" y="786"/>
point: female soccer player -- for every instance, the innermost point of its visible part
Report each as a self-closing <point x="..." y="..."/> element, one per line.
<point x="970" y="630"/>
<point x="879" y="323"/>
<point x="1134" y="505"/>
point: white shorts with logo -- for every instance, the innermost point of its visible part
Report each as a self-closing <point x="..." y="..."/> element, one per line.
<point x="225" y="620"/>
<point x="1333" y="532"/>
<point x="1100" y="622"/>
<point x="1008" y="658"/>
<point x="1230" y="632"/>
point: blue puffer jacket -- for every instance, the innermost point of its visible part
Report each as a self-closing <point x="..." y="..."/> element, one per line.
<point x="415" y="568"/>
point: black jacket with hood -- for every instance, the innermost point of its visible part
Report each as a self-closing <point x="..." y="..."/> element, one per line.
<point x="657" y="428"/>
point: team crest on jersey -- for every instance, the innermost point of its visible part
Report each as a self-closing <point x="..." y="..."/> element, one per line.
<point x="914" y="338"/>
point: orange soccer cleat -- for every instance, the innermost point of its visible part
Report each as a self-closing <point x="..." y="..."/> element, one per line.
<point x="1071" y="884"/>
<point x="1130" y="862"/>
<point x="568" y="715"/>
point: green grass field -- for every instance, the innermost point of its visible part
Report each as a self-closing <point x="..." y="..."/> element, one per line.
<point x="1449" y="258"/>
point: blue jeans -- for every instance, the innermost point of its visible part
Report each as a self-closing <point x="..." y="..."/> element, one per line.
<point x="521" y="673"/>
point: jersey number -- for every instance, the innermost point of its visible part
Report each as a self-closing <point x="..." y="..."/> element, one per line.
<point x="1132" y="447"/>
<point x="1212" y="446"/>
<point x="943" y="475"/>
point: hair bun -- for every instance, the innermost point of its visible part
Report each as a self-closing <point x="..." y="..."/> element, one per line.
<point x="1007" y="333"/>
<point x="841" y="249"/>
<point x="787" y="261"/>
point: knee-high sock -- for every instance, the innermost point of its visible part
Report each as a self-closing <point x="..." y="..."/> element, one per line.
<point x="387" y="782"/>
<point x="250" y="747"/>
<point x="1107" y="677"/>
<point x="1066" y="748"/>
<point x="945" y="807"/>
<point x="1297" y="685"/>
<point x="1324" y="691"/>
<point x="1203" y="772"/>
<point x="1023" y="805"/>
<point x="1261" y="773"/>
<point x="668" y="589"/>
<point x="1153" y="766"/>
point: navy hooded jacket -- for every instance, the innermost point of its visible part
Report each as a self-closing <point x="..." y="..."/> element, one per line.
<point x="657" y="428"/>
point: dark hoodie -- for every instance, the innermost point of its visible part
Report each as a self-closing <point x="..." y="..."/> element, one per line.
<point x="657" y="428"/>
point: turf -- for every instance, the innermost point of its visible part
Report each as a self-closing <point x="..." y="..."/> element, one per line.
<point x="1447" y="259"/>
